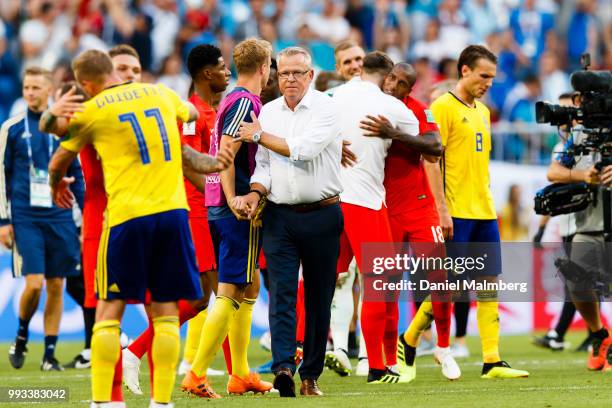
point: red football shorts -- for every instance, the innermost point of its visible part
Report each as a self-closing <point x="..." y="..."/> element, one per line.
<point x="416" y="226"/>
<point x="90" y="258"/>
<point x="204" y="250"/>
<point x="422" y="230"/>
<point x="361" y="225"/>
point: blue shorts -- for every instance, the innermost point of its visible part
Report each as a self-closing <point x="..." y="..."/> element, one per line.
<point x="237" y="245"/>
<point x="153" y="252"/>
<point x="476" y="238"/>
<point x="46" y="248"/>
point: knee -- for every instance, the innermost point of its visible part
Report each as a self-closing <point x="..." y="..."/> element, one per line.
<point x="252" y="291"/>
<point x="55" y="287"/>
<point x="34" y="284"/>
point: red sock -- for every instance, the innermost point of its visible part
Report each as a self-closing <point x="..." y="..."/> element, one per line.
<point x="186" y="311"/>
<point x="228" y="356"/>
<point x="143" y="342"/>
<point x="373" y="322"/>
<point x="442" y="312"/>
<point x="150" y="360"/>
<point x="117" y="393"/>
<point x="300" y="313"/>
<point x="391" y="333"/>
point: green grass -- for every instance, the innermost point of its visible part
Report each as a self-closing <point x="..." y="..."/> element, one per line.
<point x="557" y="380"/>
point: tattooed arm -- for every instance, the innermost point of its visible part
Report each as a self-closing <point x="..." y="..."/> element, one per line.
<point x="195" y="161"/>
<point x="55" y="119"/>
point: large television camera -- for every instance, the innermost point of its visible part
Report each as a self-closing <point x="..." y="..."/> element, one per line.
<point x="595" y="110"/>
<point x="593" y="116"/>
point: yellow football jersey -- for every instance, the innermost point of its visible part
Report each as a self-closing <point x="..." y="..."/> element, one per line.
<point x="133" y="127"/>
<point x="466" y="137"/>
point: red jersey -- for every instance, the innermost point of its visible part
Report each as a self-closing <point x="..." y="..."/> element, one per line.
<point x="197" y="135"/>
<point x="95" y="194"/>
<point x="406" y="184"/>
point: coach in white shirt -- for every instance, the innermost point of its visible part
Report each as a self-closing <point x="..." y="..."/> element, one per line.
<point x="363" y="200"/>
<point x="298" y="168"/>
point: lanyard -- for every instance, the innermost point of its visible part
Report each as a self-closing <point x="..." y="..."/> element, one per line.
<point x="27" y="136"/>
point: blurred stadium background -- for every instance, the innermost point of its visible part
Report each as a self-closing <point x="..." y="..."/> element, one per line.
<point x="538" y="42"/>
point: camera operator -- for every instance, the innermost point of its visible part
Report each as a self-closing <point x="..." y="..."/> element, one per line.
<point x="589" y="250"/>
<point x="554" y="339"/>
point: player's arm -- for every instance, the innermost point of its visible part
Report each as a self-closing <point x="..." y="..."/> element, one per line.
<point x="193" y="112"/>
<point x="195" y="163"/>
<point x="261" y="181"/>
<point x="77" y="136"/>
<point x="434" y="172"/>
<point x="228" y="176"/>
<point x="436" y="184"/>
<point x="185" y="111"/>
<point x="55" y="119"/>
<point x="428" y="144"/>
<point x="58" y="166"/>
<point x="78" y="187"/>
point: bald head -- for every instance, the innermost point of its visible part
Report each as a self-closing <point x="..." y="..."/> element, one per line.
<point x="400" y="81"/>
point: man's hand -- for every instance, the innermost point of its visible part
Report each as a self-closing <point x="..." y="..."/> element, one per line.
<point x="446" y="222"/>
<point x="246" y="205"/>
<point x="591" y="176"/>
<point x="606" y="176"/>
<point x="62" y="196"/>
<point x="378" y="127"/>
<point x="248" y="129"/>
<point x="7" y="236"/>
<point x="348" y="157"/>
<point x="67" y="104"/>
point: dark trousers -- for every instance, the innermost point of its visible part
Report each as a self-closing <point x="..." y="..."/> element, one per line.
<point x="312" y="238"/>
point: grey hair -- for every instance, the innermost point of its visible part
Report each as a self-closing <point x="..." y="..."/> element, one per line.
<point x="291" y="51"/>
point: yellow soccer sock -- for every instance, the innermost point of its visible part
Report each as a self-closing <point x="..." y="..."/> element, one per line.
<point x="239" y="336"/>
<point x="487" y="314"/>
<point x="214" y="331"/>
<point x="105" y="349"/>
<point x="165" y="352"/>
<point x="194" y="332"/>
<point x="421" y="320"/>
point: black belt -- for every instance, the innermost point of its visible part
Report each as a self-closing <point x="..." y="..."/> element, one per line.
<point x="317" y="205"/>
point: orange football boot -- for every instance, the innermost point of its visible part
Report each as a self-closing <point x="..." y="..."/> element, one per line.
<point x="607" y="368"/>
<point x="597" y="357"/>
<point x="238" y="385"/>
<point x="198" y="386"/>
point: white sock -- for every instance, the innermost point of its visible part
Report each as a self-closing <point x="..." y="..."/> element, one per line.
<point x="342" y="312"/>
<point x="86" y="354"/>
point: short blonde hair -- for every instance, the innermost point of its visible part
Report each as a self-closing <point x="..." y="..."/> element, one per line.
<point x="38" y="71"/>
<point x="344" y="45"/>
<point x="250" y="54"/>
<point x="92" y="65"/>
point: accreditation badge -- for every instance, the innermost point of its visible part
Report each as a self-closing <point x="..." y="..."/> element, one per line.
<point x="40" y="191"/>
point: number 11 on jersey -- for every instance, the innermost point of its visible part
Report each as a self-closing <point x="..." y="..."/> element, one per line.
<point x="142" y="144"/>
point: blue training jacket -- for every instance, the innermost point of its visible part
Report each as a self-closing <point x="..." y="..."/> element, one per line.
<point x="15" y="172"/>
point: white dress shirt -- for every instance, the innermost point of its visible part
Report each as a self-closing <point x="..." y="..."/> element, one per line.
<point x="312" y="172"/>
<point x="363" y="183"/>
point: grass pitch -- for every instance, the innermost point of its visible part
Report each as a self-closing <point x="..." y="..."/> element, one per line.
<point x="558" y="379"/>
